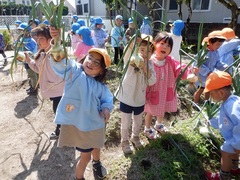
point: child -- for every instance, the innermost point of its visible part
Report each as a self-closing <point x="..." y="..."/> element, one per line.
<point x="2" y="49"/>
<point x="29" y="44"/>
<point x="214" y="40"/>
<point x="176" y="33"/>
<point x="162" y="97"/>
<point x="131" y="93"/>
<point x="74" y="19"/>
<point x="85" y="44"/>
<point x="146" y="26"/>
<point x="100" y="36"/>
<point x="75" y="38"/>
<point x="227" y="48"/>
<point x="118" y="38"/>
<point x="84" y="108"/>
<point x="131" y="30"/>
<point x="218" y="84"/>
<point x="51" y="85"/>
<point x="81" y="22"/>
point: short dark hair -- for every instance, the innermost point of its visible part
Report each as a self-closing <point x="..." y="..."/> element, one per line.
<point x="164" y="36"/>
<point x="213" y="40"/>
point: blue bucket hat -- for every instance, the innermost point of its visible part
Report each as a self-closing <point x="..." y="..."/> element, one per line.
<point x="18" y="22"/>
<point x="146" y="20"/>
<point x="23" y="26"/>
<point x="45" y="22"/>
<point x="130" y="20"/>
<point x="81" y="22"/>
<point x="36" y="21"/>
<point x="118" y="17"/>
<point x="85" y="32"/>
<point x="75" y="27"/>
<point x="178" y="26"/>
<point x="75" y="17"/>
<point x="98" y="20"/>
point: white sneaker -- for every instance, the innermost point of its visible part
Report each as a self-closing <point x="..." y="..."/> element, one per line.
<point x="150" y="134"/>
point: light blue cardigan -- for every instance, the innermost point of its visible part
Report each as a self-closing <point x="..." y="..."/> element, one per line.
<point x="83" y="97"/>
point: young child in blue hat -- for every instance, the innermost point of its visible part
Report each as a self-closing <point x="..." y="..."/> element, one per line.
<point x="146" y="26"/>
<point x="100" y="36"/>
<point x="118" y="38"/>
<point x="176" y="33"/>
<point x="85" y="44"/>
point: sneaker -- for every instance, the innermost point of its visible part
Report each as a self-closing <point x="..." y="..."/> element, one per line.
<point x="126" y="147"/>
<point x="55" y="134"/>
<point x="32" y="91"/>
<point x="136" y="142"/>
<point x="99" y="170"/>
<point x="235" y="172"/>
<point x="212" y="176"/>
<point x="160" y="128"/>
<point x="29" y="89"/>
<point x="150" y="134"/>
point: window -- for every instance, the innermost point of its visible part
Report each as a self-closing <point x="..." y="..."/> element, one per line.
<point x="173" y="5"/>
<point x="200" y="4"/>
<point x="79" y="10"/>
<point x="85" y="8"/>
<point x="23" y="2"/>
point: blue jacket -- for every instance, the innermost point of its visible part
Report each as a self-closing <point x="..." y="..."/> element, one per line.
<point x="99" y="36"/>
<point x="117" y="32"/>
<point x="83" y="97"/>
<point x="228" y="122"/>
<point x="226" y="50"/>
<point x="212" y="62"/>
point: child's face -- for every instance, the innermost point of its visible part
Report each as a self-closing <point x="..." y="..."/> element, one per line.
<point x="118" y="22"/>
<point x="217" y="95"/>
<point x="214" y="46"/>
<point x="43" y="42"/>
<point x="92" y="64"/>
<point x="131" y="25"/>
<point x="145" y="51"/>
<point x="162" y="50"/>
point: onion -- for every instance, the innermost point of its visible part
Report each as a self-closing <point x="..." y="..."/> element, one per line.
<point x="192" y="78"/>
<point x="57" y="51"/>
<point x="136" y="59"/>
<point x="21" y="56"/>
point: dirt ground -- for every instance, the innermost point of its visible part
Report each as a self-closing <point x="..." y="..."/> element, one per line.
<point x="25" y="125"/>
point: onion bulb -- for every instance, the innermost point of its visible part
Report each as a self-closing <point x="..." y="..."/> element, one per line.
<point x="136" y="59"/>
<point x="57" y="51"/>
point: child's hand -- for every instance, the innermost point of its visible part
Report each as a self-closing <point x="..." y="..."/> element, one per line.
<point x="54" y="32"/>
<point x="105" y="113"/>
<point x="27" y="58"/>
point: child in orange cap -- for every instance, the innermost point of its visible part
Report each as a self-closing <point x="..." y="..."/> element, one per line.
<point x="226" y="51"/>
<point x="218" y="84"/>
<point x="214" y="40"/>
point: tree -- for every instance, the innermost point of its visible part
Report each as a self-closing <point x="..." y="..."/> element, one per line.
<point x="235" y="10"/>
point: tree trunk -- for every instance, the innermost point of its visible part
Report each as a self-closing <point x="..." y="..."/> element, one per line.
<point x="232" y="6"/>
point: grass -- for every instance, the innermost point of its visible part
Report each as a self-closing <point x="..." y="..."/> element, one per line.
<point x="183" y="153"/>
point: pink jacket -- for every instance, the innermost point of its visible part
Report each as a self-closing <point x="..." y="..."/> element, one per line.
<point x="51" y="85"/>
<point x="81" y="51"/>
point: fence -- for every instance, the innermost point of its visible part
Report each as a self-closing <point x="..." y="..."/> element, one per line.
<point x="10" y="20"/>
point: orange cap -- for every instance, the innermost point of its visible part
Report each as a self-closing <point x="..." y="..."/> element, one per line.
<point x="103" y="52"/>
<point x="214" y="34"/>
<point x="229" y="33"/>
<point x="217" y="80"/>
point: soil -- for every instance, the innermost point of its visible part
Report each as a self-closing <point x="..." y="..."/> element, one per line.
<point x="25" y="125"/>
